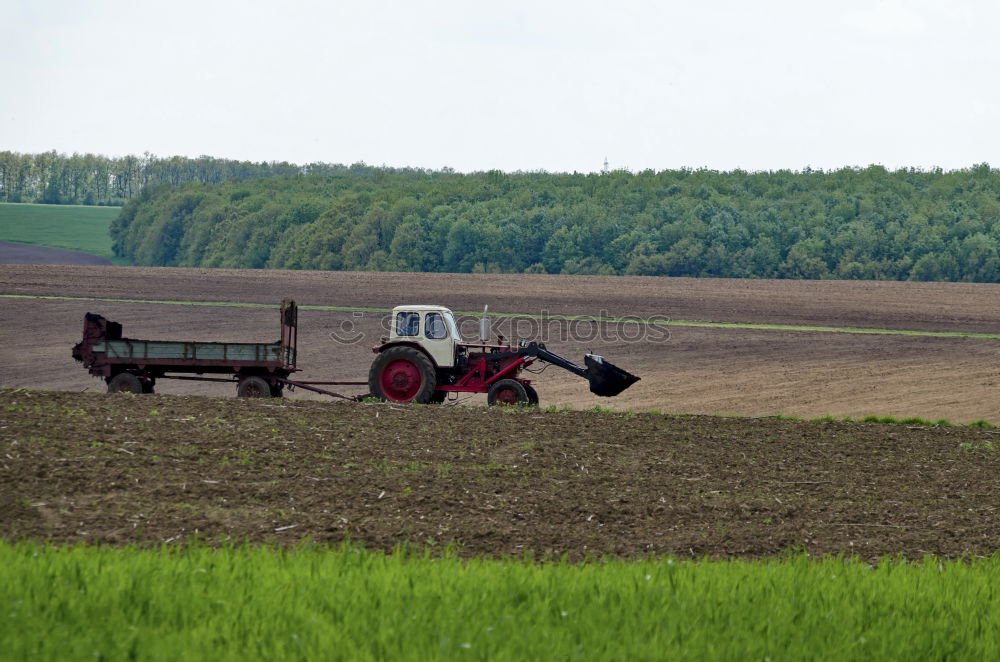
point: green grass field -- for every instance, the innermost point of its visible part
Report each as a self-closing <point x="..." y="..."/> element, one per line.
<point x="313" y="602"/>
<point x="73" y="227"/>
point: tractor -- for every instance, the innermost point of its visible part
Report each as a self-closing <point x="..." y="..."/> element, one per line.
<point x="424" y="359"/>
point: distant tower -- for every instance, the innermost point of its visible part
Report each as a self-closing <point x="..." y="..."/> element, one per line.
<point x="605" y="165"/>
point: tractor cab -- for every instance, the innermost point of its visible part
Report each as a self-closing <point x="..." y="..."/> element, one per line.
<point x="431" y="327"/>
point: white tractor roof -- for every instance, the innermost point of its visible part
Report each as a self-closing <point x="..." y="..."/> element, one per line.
<point x="421" y="309"/>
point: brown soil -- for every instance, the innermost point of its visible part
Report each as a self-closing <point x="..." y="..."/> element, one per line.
<point x="893" y="305"/>
<point x="11" y="253"/>
<point x="147" y="469"/>
<point x="695" y="370"/>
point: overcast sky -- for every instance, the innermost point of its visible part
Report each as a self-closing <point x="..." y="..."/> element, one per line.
<point x="513" y="85"/>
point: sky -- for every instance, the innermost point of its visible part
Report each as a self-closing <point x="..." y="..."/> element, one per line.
<point x="559" y="86"/>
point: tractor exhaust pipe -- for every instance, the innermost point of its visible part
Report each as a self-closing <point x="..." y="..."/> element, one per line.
<point x="484" y="326"/>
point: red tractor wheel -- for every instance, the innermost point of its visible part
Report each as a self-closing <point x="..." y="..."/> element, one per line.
<point x="507" y="392"/>
<point x="402" y="374"/>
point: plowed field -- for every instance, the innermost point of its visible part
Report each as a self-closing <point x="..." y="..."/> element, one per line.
<point x="694" y="370"/>
<point x="118" y="469"/>
<point x="892" y="305"/>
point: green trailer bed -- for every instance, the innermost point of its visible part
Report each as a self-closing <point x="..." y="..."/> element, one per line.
<point x="159" y="350"/>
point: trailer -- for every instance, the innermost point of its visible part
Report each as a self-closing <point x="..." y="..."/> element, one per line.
<point x="132" y="365"/>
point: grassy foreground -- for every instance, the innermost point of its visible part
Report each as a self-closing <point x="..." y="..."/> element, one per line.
<point x="72" y="227"/>
<point x="196" y="602"/>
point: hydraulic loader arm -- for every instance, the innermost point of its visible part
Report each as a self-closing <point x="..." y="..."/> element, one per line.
<point x="606" y="379"/>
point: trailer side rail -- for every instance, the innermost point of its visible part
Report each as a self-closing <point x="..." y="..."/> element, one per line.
<point x="132" y="350"/>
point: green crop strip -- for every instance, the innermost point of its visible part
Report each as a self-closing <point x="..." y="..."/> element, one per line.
<point x="70" y="227"/>
<point x="568" y="318"/>
<point x="312" y="602"/>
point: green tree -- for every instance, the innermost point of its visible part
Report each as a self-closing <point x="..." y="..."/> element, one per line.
<point x="805" y="260"/>
<point x="408" y="251"/>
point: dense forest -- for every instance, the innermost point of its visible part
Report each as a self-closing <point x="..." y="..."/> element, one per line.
<point x="90" y="179"/>
<point x="852" y="223"/>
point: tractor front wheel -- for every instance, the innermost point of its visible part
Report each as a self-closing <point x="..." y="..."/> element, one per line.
<point x="507" y="392"/>
<point x="403" y="374"/>
<point x="532" y="394"/>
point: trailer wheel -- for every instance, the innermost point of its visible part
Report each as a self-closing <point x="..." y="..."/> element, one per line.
<point x="253" y="387"/>
<point x="507" y="392"/>
<point x="402" y="374"/>
<point x="532" y="394"/>
<point x="277" y="390"/>
<point x="124" y="382"/>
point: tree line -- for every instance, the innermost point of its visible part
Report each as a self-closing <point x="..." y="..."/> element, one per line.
<point x="851" y="223"/>
<point x="91" y="179"/>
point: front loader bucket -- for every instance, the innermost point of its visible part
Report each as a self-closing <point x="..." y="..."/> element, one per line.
<point x="607" y="379"/>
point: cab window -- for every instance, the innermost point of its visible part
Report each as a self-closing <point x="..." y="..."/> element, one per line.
<point x="407" y="324"/>
<point x="434" y="327"/>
